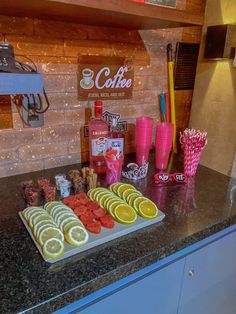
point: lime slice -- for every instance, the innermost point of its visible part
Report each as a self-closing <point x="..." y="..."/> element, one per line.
<point x="125" y="194"/>
<point x="147" y="209"/>
<point x="50" y="232"/>
<point x="125" y="214"/>
<point x="53" y="248"/>
<point x="137" y="201"/>
<point x="76" y="235"/>
<point x="72" y="223"/>
<point x="115" y="186"/>
<point x="49" y="205"/>
<point x="124" y="186"/>
<point x="112" y="207"/>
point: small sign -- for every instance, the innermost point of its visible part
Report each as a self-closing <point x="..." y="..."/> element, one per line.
<point x="105" y="78"/>
<point x="166" y="3"/>
<point x="109" y="116"/>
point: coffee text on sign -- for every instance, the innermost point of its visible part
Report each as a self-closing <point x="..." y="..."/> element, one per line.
<point x="117" y="82"/>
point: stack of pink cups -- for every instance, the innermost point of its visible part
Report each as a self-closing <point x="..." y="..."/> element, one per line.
<point x="163" y="143"/>
<point x="143" y="138"/>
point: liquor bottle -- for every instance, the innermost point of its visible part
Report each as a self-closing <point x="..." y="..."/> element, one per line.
<point x="116" y="139"/>
<point x="98" y="134"/>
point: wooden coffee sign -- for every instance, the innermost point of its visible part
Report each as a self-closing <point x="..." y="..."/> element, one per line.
<point x="105" y="78"/>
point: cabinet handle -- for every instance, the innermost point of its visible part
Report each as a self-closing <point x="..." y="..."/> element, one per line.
<point x="191" y="273"/>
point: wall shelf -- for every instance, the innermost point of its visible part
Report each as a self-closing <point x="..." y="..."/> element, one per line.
<point x="20" y="83"/>
<point x="113" y="13"/>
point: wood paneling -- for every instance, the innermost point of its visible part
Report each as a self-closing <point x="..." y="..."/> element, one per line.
<point x="6" y="120"/>
<point x="122" y="13"/>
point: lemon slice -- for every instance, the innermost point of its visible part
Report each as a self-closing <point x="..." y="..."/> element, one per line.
<point x="42" y="227"/>
<point x="107" y="199"/>
<point x="94" y="191"/>
<point x="137" y="201"/>
<point x="64" y="215"/>
<point x="113" y="200"/>
<point x="27" y="210"/>
<point x="112" y="207"/>
<point x="50" y="232"/>
<point x="41" y="224"/>
<point x="32" y="211"/>
<point x="41" y="217"/>
<point x="53" y="248"/>
<point x="76" y="235"/>
<point x="72" y="223"/>
<point x="60" y="208"/>
<point x="132" y="196"/>
<point x="103" y="198"/>
<point x="61" y="211"/>
<point x="49" y="205"/>
<point x="115" y="186"/>
<point x="99" y="194"/>
<point x="125" y="194"/>
<point x="124" y="186"/>
<point x="66" y="219"/>
<point x="35" y="214"/>
<point x="147" y="209"/>
<point x="125" y="214"/>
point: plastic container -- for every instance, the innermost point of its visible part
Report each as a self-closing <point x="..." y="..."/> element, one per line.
<point x="65" y="188"/>
<point x="163" y="144"/>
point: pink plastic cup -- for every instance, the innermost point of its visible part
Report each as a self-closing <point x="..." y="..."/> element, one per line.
<point x="163" y="144"/>
<point x="143" y="131"/>
<point x="142" y="153"/>
<point x="113" y="170"/>
<point x="143" y="138"/>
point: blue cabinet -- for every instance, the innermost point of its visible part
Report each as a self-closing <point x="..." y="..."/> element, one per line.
<point x="201" y="279"/>
<point x="156" y="293"/>
<point x="209" y="281"/>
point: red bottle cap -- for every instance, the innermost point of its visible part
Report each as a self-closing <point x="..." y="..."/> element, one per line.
<point x="98" y="108"/>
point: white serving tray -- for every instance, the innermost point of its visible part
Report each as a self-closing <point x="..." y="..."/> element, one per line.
<point x="96" y="239"/>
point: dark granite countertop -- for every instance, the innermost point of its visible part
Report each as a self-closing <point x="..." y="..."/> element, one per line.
<point x="205" y="205"/>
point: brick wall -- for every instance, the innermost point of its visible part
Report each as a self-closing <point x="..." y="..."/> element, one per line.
<point x="54" y="47"/>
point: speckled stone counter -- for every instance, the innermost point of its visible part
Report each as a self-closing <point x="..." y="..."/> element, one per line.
<point x="206" y="205"/>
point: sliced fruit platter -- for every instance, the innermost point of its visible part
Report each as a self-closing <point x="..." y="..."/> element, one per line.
<point x="61" y="229"/>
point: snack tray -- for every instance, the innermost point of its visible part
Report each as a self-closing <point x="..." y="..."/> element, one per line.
<point x="96" y="239"/>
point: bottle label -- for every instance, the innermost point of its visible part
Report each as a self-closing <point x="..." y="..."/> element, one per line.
<point x="99" y="146"/>
<point x="116" y="144"/>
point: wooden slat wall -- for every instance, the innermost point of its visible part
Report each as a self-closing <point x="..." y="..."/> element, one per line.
<point x="54" y="46"/>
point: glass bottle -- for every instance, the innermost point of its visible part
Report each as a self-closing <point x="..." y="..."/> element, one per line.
<point x="116" y="138"/>
<point x="98" y="134"/>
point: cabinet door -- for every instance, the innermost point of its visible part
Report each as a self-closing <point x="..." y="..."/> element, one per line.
<point x="156" y="293"/>
<point x="209" y="282"/>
